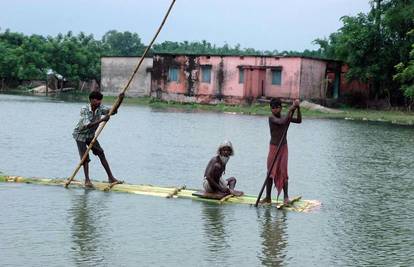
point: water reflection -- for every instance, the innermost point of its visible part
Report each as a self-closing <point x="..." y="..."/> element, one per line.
<point x="87" y="230"/>
<point x="367" y="189"/>
<point x="274" y="237"/>
<point x="215" y="231"/>
<point x="362" y="172"/>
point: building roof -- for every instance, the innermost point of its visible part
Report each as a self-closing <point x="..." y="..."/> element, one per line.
<point x="223" y="55"/>
<point x="147" y="56"/>
<point x="240" y="55"/>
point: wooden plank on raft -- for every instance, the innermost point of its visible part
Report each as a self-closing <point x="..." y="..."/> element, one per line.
<point x="289" y="204"/>
<point x="296" y="204"/>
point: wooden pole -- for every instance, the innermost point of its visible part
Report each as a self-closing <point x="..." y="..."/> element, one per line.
<point x="274" y="161"/>
<point x="118" y="100"/>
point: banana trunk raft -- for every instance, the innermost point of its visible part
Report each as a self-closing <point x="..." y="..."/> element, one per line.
<point x="297" y="204"/>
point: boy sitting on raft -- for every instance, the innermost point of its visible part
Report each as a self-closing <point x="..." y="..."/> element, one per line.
<point x="213" y="181"/>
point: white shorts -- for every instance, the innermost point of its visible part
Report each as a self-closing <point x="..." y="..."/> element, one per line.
<point x="207" y="187"/>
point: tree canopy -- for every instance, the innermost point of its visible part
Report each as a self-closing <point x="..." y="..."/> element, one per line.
<point x="77" y="57"/>
<point x="373" y="44"/>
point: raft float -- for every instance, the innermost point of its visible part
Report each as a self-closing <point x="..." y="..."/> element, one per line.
<point x="297" y="204"/>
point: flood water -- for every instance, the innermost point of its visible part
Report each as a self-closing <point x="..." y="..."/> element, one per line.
<point x="361" y="172"/>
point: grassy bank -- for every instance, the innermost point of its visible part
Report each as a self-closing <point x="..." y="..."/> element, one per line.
<point x="394" y="117"/>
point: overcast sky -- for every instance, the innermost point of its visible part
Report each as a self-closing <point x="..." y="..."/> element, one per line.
<point x="260" y="24"/>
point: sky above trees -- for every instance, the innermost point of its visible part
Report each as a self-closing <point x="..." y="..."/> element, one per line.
<point x="262" y="24"/>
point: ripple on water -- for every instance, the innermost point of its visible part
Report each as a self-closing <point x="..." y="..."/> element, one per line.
<point x="361" y="172"/>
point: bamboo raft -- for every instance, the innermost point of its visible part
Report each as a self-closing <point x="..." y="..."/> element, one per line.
<point x="298" y="204"/>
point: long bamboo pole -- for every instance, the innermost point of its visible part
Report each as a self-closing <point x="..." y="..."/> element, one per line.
<point x="274" y="160"/>
<point x="118" y="100"/>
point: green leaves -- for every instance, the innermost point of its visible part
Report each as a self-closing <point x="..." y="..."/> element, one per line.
<point x="33" y="57"/>
<point x="122" y="44"/>
<point x="405" y="75"/>
<point x="76" y="58"/>
<point x="9" y="61"/>
<point x="373" y="43"/>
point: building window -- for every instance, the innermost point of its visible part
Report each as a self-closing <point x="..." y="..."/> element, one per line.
<point x="241" y="75"/>
<point x="173" y="74"/>
<point x="277" y="77"/>
<point x="205" y="74"/>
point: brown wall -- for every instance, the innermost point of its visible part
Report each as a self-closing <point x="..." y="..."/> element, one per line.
<point x="312" y="79"/>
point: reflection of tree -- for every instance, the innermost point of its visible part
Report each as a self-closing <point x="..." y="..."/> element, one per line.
<point x="274" y="237"/>
<point x="215" y="231"/>
<point x="85" y="234"/>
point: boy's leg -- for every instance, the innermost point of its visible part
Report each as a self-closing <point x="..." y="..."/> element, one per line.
<point x="98" y="151"/>
<point x="82" y="147"/>
<point x="268" y="197"/>
<point x="105" y="164"/>
<point x="269" y="185"/>
<point x="285" y="193"/>
<point x="86" y="172"/>
<point x="231" y="182"/>
<point x="270" y="163"/>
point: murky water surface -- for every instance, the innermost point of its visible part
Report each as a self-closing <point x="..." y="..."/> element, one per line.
<point x="361" y="172"/>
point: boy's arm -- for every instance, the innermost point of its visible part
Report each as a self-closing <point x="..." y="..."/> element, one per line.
<point x="298" y="118"/>
<point x="93" y="124"/>
<point x="121" y="98"/>
<point x="87" y="122"/>
<point x="283" y="120"/>
<point x="105" y="109"/>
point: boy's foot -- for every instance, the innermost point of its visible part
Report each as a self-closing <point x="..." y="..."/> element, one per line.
<point x="286" y="201"/>
<point x="265" y="201"/>
<point x="236" y="193"/>
<point x="115" y="181"/>
<point x="112" y="183"/>
<point x="88" y="184"/>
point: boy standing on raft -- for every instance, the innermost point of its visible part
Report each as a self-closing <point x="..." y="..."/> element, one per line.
<point x="91" y="116"/>
<point x="278" y="124"/>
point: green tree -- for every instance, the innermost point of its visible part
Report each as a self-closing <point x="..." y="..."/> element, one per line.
<point x="9" y="63"/>
<point x="405" y="76"/>
<point x="372" y="44"/>
<point x="10" y="56"/>
<point x="12" y="39"/>
<point x="122" y="44"/>
<point x="205" y="47"/>
<point x="76" y="58"/>
<point x="32" y="61"/>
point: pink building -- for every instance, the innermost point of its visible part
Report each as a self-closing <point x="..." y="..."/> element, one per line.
<point x="236" y="79"/>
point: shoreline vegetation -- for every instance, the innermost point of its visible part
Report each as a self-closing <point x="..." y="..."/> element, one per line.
<point x="256" y="109"/>
<point x="262" y="109"/>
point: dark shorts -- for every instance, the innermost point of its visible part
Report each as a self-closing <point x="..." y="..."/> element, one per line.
<point x="96" y="148"/>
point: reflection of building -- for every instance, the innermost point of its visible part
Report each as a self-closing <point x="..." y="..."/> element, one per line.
<point x="232" y="79"/>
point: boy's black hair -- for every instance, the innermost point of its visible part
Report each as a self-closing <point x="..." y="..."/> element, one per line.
<point x="95" y="95"/>
<point x="275" y="103"/>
